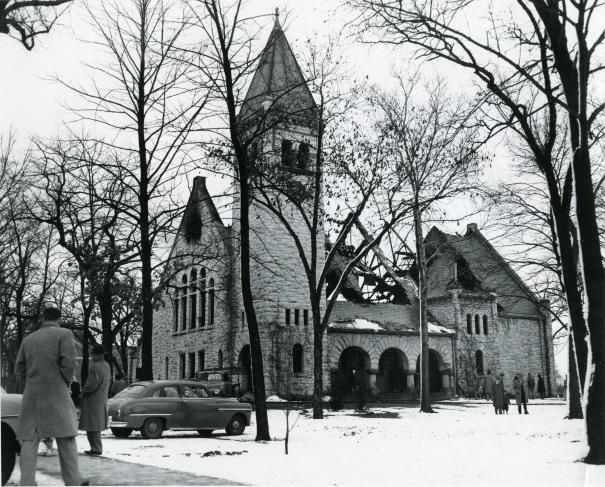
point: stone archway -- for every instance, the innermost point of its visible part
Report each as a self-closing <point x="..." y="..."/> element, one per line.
<point x="435" y="380"/>
<point x="392" y="367"/>
<point x="244" y="364"/>
<point x="354" y="368"/>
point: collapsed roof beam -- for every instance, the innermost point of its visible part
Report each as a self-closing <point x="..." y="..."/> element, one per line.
<point x="405" y="282"/>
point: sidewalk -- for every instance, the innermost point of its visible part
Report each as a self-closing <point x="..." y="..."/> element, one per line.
<point x="108" y="471"/>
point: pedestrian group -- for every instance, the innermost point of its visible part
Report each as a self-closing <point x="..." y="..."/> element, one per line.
<point x="523" y="390"/>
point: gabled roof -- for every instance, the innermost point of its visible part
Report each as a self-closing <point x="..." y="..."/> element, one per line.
<point x="278" y="82"/>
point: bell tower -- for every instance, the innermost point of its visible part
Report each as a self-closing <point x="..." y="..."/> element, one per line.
<point x="280" y="111"/>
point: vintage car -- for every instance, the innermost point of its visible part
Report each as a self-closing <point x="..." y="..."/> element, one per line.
<point x="155" y="406"/>
<point x="11" y="408"/>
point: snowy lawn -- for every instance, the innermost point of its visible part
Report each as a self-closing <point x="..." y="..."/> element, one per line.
<point x="464" y="444"/>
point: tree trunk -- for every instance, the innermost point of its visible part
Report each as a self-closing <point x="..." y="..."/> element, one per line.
<point x="425" y="394"/>
<point x="574" y="394"/>
<point x="258" y="377"/>
<point x="318" y="411"/>
<point x="105" y="307"/>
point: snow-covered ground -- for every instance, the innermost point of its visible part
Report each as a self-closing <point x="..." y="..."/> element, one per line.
<point x="464" y="444"/>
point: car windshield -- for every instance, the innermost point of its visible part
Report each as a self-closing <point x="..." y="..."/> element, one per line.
<point x="133" y="390"/>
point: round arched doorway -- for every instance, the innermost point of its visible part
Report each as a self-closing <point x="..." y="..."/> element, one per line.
<point x="354" y="368"/>
<point x="391" y="371"/>
<point x="244" y="364"/>
<point x="435" y="381"/>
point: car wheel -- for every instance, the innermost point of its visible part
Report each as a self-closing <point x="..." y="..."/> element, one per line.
<point x="237" y="425"/>
<point x="9" y="453"/>
<point x="205" y="433"/>
<point x="121" y="432"/>
<point x="152" y="428"/>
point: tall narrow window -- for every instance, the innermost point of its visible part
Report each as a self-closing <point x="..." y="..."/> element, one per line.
<point x="297" y="358"/>
<point x="302" y="158"/>
<point x="176" y="303"/>
<point x="211" y="302"/>
<point x="485" y="324"/>
<point x="306" y="317"/>
<point x="193" y="297"/>
<point x="201" y="361"/>
<point x="477" y="325"/>
<point x="469" y="324"/>
<point x="182" y="365"/>
<point x="166" y="368"/>
<point x="286" y="152"/>
<point x="203" y="297"/>
<point x="297" y="317"/>
<point x="287" y="317"/>
<point x="220" y="359"/>
<point x="184" y="304"/>
<point x="479" y="361"/>
<point x="192" y="365"/>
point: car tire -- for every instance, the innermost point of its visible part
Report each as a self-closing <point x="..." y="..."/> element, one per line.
<point x="9" y="454"/>
<point x="237" y="425"/>
<point x="152" y="428"/>
<point x="205" y="433"/>
<point x="121" y="432"/>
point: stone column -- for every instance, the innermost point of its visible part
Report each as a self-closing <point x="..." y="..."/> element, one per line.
<point x="372" y="373"/>
<point x="409" y="380"/>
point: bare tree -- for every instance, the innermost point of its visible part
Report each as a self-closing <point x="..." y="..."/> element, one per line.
<point x="527" y="68"/>
<point x="144" y="97"/>
<point x="433" y="152"/>
<point x="24" y="20"/>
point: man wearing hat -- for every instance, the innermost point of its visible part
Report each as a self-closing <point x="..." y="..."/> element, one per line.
<point x="46" y="362"/>
<point x="93" y="416"/>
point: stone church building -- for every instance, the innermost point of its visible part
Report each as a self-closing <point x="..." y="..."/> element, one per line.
<point x="482" y="316"/>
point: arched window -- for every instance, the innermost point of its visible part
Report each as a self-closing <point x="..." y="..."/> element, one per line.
<point x="201" y="360"/>
<point x="203" y="297"/>
<point x="287" y="153"/>
<point x="297" y="358"/>
<point x="220" y="359"/>
<point x="302" y="158"/>
<point x="211" y="302"/>
<point x="485" y="324"/>
<point x="184" y="303"/>
<point x="176" y="303"/>
<point x="166" y="367"/>
<point x="193" y="296"/>
<point x="479" y="362"/>
<point x="477" y="325"/>
<point x="469" y="324"/>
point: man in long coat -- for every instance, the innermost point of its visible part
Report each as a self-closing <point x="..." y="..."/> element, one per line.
<point x="520" y="388"/>
<point x="93" y="415"/>
<point x="46" y="362"/>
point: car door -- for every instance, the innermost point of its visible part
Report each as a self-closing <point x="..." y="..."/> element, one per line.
<point x="200" y="411"/>
<point x="166" y="402"/>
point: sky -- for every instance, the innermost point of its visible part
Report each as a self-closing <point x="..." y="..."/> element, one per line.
<point x="34" y="103"/>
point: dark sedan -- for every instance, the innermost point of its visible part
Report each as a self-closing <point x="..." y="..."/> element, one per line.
<point x="155" y="406"/>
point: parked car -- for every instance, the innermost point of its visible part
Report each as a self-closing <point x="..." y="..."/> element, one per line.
<point x="11" y="408"/>
<point x="155" y="406"/>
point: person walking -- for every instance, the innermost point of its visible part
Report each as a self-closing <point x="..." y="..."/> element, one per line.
<point x="541" y="388"/>
<point x="118" y="385"/>
<point x="498" y="395"/>
<point x="93" y="415"/>
<point x="46" y="362"/>
<point x="488" y="385"/>
<point x="531" y="385"/>
<point x="505" y="399"/>
<point x="520" y="388"/>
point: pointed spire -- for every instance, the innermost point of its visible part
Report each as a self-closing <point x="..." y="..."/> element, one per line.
<point x="278" y="80"/>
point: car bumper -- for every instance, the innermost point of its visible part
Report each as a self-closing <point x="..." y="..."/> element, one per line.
<point x="118" y="424"/>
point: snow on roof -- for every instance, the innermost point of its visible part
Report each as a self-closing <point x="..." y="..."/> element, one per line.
<point x="435" y="328"/>
<point x="356" y="324"/>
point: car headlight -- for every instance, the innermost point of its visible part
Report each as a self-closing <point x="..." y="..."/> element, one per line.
<point x="118" y="415"/>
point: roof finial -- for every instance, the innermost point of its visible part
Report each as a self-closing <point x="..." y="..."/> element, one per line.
<point x="277" y="15"/>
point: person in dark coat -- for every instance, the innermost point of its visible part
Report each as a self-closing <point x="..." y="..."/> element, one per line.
<point x="76" y="394"/>
<point x="531" y="385"/>
<point x="46" y="362"/>
<point x="118" y="385"/>
<point x="497" y="394"/>
<point x="93" y="417"/>
<point x="520" y="388"/>
<point x="541" y="387"/>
